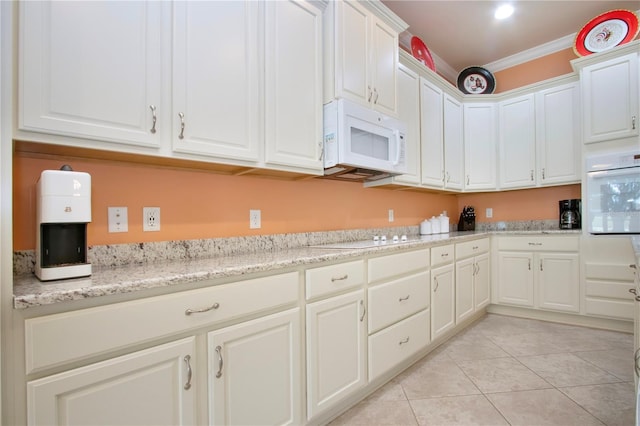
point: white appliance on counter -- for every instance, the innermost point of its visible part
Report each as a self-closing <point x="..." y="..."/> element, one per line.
<point x="361" y="144"/>
<point x="63" y="209"/>
<point x="613" y="193"/>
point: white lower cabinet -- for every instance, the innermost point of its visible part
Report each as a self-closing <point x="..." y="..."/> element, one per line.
<point x="254" y="372"/>
<point x="472" y="277"/>
<point x="336" y="350"/>
<point x="443" y="316"/>
<point x="149" y="387"/>
<point x="539" y="272"/>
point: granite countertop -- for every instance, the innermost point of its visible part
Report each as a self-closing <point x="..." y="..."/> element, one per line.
<point x="108" y="280"/>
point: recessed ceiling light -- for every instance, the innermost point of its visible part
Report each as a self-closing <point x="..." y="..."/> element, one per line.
<point x="503" y="11"/>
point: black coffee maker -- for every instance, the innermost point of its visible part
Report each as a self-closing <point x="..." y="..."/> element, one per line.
<point x="570" y="216"/>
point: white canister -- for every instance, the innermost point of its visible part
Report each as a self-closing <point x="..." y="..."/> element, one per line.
<point x="425" y="227"/>
<point x="435" y="225"/>
<point x="444" y="223"/>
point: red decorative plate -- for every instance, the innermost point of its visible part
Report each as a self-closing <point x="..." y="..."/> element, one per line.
<point x="606" y="31"/>
<point x="421" y="53"/>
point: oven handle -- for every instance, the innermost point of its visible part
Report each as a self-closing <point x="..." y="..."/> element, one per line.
<point x="630" y="171"/>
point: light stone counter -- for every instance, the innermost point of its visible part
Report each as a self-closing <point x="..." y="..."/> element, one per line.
<point x="182" y="268"/>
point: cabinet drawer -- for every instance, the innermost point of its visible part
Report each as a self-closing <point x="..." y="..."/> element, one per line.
<point x="395" y="344"/>
<point x="471" y="248"/>
<point x="56" y="339"/>
<point x="539" y="243"/>
<point x="620" y="309"/>
<point x="384" y="267"/>
<point x="608" y="289"/>
<point x="442" y="254"/>
<point x="334" y="278"/>
<point x="398" y="299"/>
<point x="609" y="272"/>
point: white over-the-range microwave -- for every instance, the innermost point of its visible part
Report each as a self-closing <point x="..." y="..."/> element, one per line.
<point x="613" y="193"/>
<point x="361" y="144"/>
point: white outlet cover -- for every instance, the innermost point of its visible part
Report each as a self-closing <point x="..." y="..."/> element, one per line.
<point x="489" y="213"/>
<point x="151" y="218"/>
<point x="118" y="219"/>
<point x="255" y="221"/>
<point x="391" y="215"/>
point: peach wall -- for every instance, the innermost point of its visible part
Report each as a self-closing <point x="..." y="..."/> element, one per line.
<point x="196" y="204"/>
<point x="530" y="204"/>
<point x="553" y="65"/>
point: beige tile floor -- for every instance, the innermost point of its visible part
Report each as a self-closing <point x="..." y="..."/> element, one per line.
<point x="511" y="371"/>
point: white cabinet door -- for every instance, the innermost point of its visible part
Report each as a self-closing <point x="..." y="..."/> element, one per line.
<point x="480" y="146"/>
<point x="453" y="143"/>
<point x="149" y="387"/>
<point x="336" y="350"/>
<point x="293" y="84"/>
<point x="442" y="300"/>
<point x="366" y="57"/>
<point x="515" y="278"/>
<point x="255" y="372"/>
<point x="409" y="113"/>
<point x="384" y="67"/>
<point x="431" y="134"/>
<point x="558" y="281"/>
<point x="517" y="142"/>
<point x="610" y="99"/>
<point x="482" y="281"/>
<point x="558" y="135"/>
<point x="465" y="271"/>
<point x="92" y="70"/>
<point x="216" y="71"/>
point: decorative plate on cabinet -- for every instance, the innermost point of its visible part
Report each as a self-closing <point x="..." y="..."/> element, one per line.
<point x="420" y="52"/>
<point x="606" y="31"/>
<point x="476" y="80"/>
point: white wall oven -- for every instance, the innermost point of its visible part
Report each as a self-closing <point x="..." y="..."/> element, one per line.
<point x="613" y="193"/>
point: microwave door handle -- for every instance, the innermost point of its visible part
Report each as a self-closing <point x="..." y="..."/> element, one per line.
<point x="396" y="133"/>
<point x="627" y="171"/>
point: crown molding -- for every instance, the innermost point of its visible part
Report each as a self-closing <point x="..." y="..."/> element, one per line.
<point x="531" y="54"/>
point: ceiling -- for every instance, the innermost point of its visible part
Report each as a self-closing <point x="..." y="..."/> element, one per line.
<point x="460" y="34"/>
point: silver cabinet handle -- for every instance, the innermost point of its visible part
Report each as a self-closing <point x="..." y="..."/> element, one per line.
<point x="531" y="175"/>
<point x="220" y="361"/>
<point x="181" y="135"/>
<point x="370" y="93"/>
<point x="364" y="310"/>
<point x="436" y="280"/>
<point x="529" y="264"/>
<point x="467" y="179"/>
<point x="187" y="361"/>
<point x="444" y="255"/>
<point x="199" y="311"/>
<point x="155" y="118"/>
<point x="543" y="173"/>
<point x="541" y="265"/>
<point x="535" y="244"/>
<point x="403" y="341"/>
<point x="636" y="357"/>
<point x="633" y="122"/>
<point x="402" y="299"/>
<point x="633" y="266"/>
<point x="375" y="100"/>
<point x="448" y="177"/>
<point x="476" y="269"/>
<point x="634" y="292"/>
<point x="342" y="278"/>
<point x="443" y="176"/>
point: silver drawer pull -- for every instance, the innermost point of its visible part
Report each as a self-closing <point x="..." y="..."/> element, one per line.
<point x="220" y="361"/>
<point x="402" y="342"/>
<point x="444" y="255"/>
<point x="633" y="266"/>
<point x="535" y="244"/>
<point x="402" y="299"/>
<point x="632" y="291"/>
<point x="342" y="278"/>
<point x="199" y="311"/>
<point x="475" y="247"/>
<point x="187" y="361"/>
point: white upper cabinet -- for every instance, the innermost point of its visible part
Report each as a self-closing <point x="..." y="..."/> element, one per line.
<point x="453" y="143"/>
<point x="293" y="99"/>
<point x="409" y="113"/>
<point x="92" y="70"/>
<point x="558" y="135"/>
<point x="480" y="146"/>
<point x="361" y="54"/>
<point x="432" y="134"/>
<point x="517" y="142"/>
<point x="610" y="98"/>
<point x="216" y="72"/>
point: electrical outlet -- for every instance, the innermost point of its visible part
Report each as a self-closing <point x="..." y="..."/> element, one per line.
<point x="254" y="219"/>
<point x="118" y="219"/>
<point x="391" y="218"/>
<point x="489" y="213"/>
<point x="151" y="218"/>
